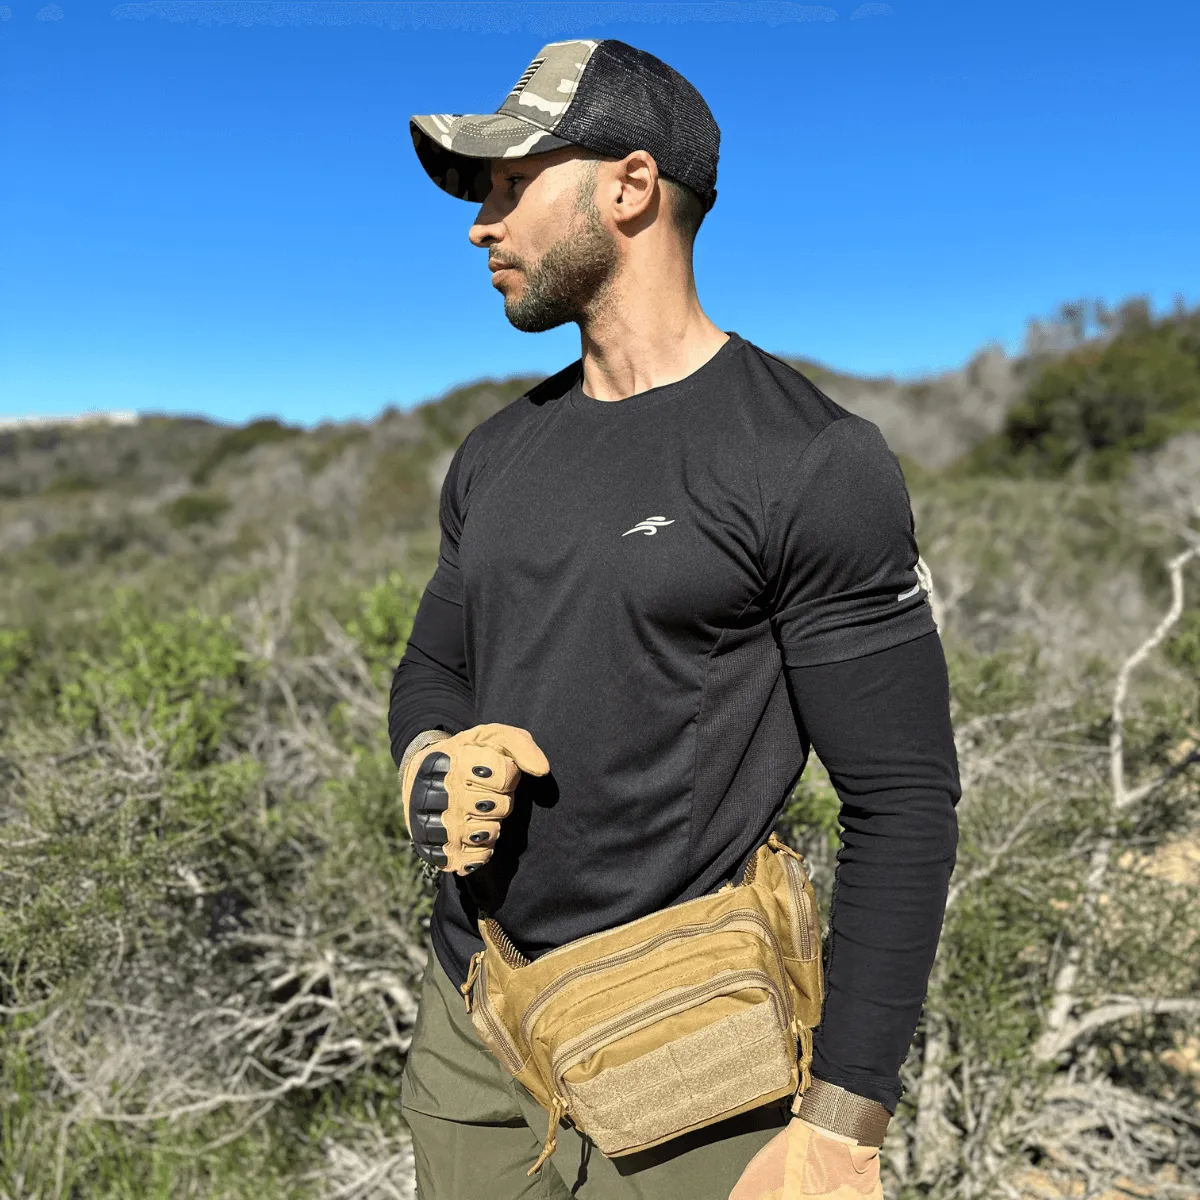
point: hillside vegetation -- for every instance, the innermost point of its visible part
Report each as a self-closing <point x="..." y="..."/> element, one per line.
<point x="212" y="928"/>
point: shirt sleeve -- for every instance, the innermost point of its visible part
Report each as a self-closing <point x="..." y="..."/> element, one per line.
<point x="447" y="581"/>
<point x="841" y="553"/>
<point x="431" y="688"/>
<point x="881" y="726"/>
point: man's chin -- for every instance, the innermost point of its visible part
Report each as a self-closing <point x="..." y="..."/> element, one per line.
<point x="528" y="322"/>
<point x="509" y="289"/>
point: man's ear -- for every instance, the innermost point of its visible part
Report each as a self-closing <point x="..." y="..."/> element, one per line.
<point x="637" y="174"/>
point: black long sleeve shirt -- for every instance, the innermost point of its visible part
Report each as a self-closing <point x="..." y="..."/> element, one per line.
<point x="678" y="594"/>
<point x="880" y="725"/>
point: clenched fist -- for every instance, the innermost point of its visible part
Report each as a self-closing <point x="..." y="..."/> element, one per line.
<point x="806" y="1163"/>
<point x="457" y="788"/>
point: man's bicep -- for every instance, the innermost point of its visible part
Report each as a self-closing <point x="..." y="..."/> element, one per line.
<point x="842" y="551"/>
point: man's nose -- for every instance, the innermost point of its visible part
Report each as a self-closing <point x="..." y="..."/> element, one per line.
<point x="483" y="235"/>
<point x="485" y="229"/>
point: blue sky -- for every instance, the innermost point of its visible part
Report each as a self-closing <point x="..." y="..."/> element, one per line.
<point x="214" y="207"/>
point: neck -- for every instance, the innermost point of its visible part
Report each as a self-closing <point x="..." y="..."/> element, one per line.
<point x="649" y="331"/>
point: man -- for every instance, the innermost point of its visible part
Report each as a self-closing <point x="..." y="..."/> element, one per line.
<point x="665" y="573"/>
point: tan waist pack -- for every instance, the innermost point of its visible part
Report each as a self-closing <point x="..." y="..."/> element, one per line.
<point x="665" y="1024"/>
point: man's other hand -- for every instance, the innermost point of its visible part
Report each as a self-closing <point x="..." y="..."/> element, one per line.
<point x="459" y="788"/>
<point x="804" y="1162"/>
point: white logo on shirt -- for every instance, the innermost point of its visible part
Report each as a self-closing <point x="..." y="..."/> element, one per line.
<point x="912" y="591"/>
<point x="649" y="525"/>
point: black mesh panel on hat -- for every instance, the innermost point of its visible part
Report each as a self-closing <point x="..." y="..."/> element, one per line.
<point x="629" y="100"/>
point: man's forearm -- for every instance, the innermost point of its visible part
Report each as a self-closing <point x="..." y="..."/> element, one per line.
<point x="881" y="727"/>
<point x="431" y="688"/>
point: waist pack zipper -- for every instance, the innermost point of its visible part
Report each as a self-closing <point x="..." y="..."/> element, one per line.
<point x="753" y="919"/>
<point x="515" y="959"/>
<point x="504" y="944"/>
<point x="801" y="911"/>
<point x="576" y="1050"/>
<point x="483" y="1005"/>
<point x="803" y="917"/>
<point x="579" y="1048"/>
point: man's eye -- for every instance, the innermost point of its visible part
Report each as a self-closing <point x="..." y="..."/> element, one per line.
<point x="511" y="180"/>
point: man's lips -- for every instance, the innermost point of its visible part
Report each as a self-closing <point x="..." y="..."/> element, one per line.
<point x="498" y="270"/>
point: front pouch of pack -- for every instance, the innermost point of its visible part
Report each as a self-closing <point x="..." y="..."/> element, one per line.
<point x="666" y="1024"/>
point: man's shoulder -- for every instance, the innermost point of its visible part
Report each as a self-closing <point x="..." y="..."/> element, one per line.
<point x="783" y="389"/>
<point x="506" y="426"/>
<point x="785" y="411"/>
<point x="525" y="408"/>
<point x="792" y="421"/>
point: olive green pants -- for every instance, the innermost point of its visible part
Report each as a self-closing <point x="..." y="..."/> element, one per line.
<point x="476" y="1131"/>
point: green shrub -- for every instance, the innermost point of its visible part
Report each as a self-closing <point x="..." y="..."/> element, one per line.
<point x="986" y="684"/>
<point x="194" y="508"/>
<point x="1183" y="648"/>
<point x="327" y="446"/>
<point x="449" y="419"/>
<point x="398" y="494"/>
<point x="176" y="679"/>
<point x="238" y="442"/>
<point x="384" y="621"/>
<point x="157" y="1160"/>
<point x="70" y="483"/>
<point x="1102" y="402"/>
<point x="66" y="547"/>
<point x="15" y="653"/>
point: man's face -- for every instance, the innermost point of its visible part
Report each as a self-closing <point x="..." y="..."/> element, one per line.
<point x="551" y="254"/>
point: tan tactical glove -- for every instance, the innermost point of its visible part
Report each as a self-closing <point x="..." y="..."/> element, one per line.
<point x="808" y="1162"/>
<point x="457" y="788"/>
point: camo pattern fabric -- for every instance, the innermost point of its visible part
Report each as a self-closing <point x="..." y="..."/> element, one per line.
<point x="455" y="148"/>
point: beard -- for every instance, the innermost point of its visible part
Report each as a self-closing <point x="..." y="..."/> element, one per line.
<point x="569" y="280"/>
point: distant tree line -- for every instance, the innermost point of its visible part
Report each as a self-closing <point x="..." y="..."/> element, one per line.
<point x="1113" y="383"/>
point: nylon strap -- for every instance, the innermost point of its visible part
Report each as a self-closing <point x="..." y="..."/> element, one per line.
<point x="843" y="1112"/>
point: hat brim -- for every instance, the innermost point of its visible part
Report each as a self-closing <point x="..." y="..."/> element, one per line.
<point x="456" y="150"/>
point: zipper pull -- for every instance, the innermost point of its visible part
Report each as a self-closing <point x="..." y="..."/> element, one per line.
<point x="783" y="848"/>
<point x="472" y="975"/>
<point x="558" y="1110"/>
<point x="806" y="1056"/>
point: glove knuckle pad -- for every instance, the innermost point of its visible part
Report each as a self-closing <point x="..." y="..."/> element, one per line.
<point x="491" y="769"/>
<point x="435" y="856"/>
<point x="481" y="833"/>
<point x="433" y="767"/>
<point x="428" y="800"/>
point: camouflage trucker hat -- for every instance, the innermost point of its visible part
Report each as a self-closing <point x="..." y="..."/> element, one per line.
<point x="604" y="95"/>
